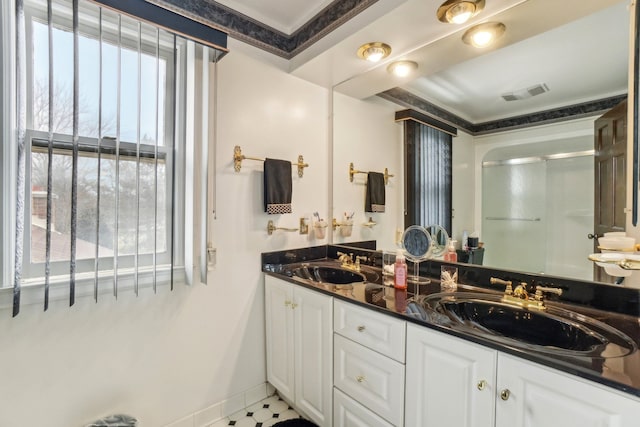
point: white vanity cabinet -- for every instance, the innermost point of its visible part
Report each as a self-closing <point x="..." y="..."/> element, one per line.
<point x="369" y="370"/>
<point x="532" y="395"/>
<point x="453" y="382"/>
<point x="450" y="382"/>
<point x="349" y="413"/>
<point x="299" y="335"/>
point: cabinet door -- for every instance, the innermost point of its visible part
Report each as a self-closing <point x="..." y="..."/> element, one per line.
<point x="313" y="315"/>
<point x="279" y="335"/>
<point x="543" y="397"/>
<point x="450" y="382"/>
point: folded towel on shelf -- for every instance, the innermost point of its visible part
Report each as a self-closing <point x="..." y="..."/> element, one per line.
<point x="375" y="198"/>
<point x="277" y="186"/>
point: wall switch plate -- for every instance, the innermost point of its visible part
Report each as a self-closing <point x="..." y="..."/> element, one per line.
<point x="304" y="227"/>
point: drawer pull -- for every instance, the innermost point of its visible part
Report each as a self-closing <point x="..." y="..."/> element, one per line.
<point x="287" y="303"/>
<point x="360" y="328"/>
<point x="360" y="378"/>
<point x="504" y="394"/>
<point x="293" y="305"/>
<point x="482" y="384"/>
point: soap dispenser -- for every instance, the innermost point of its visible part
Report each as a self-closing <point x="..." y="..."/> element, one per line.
<point x="400" y="271"/>
<point x="451" y="255"/>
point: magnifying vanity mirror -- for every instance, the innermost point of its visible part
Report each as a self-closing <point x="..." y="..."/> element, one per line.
<point x="418" y="246"/>
<point x="585" y="72"/>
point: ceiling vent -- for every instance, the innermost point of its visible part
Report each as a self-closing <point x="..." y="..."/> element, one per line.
<point x="526" y="93"/>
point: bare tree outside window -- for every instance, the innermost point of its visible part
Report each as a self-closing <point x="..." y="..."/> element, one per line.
<point x="146" y="201"/>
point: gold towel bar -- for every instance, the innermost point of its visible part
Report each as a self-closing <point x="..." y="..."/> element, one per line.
<point x="352" y="172"/>
<point x="271" y="227"/>
<point x="238" y="157"/>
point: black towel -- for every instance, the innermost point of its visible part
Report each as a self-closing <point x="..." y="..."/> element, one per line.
<point x="277" y="186"/>
<point x="374" y="201"/>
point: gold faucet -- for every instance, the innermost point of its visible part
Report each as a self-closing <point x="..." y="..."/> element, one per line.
<point x="358" y="259"/>
<point x="345" y="259"/>
<point x="540" y="290"/>
<point x="508" y="290"/>
<point x="520" y="297"/>
<point x="348" y="262"/>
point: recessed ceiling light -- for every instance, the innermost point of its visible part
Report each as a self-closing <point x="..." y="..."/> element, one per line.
<point x="483" y="35"/>
<point x="374" y="51"/>
<point x="459" y="11"/>
<point x="402" y="68"/>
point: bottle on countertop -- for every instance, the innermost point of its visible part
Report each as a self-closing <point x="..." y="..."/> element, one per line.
<point x="400" y="271"/>
<point x="451" y="255"/>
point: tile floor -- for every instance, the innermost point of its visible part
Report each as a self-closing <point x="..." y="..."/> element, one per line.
<point x="265" y="413"/>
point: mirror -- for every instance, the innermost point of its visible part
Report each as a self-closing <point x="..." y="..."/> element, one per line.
<point x="364" y="136"/>
<point x="418" y="246"/>
<point x="416" y="242"/>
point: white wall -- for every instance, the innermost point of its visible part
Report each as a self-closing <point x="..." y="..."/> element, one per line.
<point x="463" y="198"/>
<point x="365" y="134"/>
<point x="163" y="357"/>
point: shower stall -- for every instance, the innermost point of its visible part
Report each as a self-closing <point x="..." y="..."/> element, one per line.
<point x="537" y="208"/>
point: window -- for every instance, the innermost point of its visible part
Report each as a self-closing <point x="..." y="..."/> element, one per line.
<point x="97" y="130"/>
<point x="124" y="139"/>
<point x="428" y="152"/>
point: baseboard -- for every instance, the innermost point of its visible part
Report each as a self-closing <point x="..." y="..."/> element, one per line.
<point x="231" y="405"/>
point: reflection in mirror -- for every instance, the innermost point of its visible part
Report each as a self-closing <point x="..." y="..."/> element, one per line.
<point x="543" y="194"/>
<point x="567" y="59"/>
<point x="439" y="240"/>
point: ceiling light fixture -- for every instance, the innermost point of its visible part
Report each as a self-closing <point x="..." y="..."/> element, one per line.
<point x="459" y="11"/>
<point x="483" y="35"/>
<point x="402" y="68"/>
<point x="374" y="51"/>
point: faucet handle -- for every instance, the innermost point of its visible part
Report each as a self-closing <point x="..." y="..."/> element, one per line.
<point x="541" y="290"/>
<point x="345" y="258"/>
<point x="508" y="290"/>
<point x="521" y="291"/>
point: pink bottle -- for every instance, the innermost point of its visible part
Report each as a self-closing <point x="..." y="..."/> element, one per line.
<point x="451" y="255"/>
<point x="400" y="271"/>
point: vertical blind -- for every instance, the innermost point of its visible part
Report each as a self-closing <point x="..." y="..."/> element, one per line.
<point x="428" y="159"/>
<point x="100" y="136"/>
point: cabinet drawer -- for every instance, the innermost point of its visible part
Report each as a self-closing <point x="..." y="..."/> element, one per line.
<point x="384" y="334"/>
<point x="370" y="378"/>
<point x="349" y="413"/>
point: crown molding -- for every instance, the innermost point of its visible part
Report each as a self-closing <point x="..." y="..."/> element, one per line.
<point x="255" y="33"/>
<point x="407" y="99"/>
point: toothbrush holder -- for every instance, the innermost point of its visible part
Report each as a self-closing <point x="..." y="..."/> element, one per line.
<point x="346" y="228"/>
<point x="320" y="229"/>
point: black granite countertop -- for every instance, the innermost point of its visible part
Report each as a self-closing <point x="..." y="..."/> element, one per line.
<point x="621" y="373"/>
